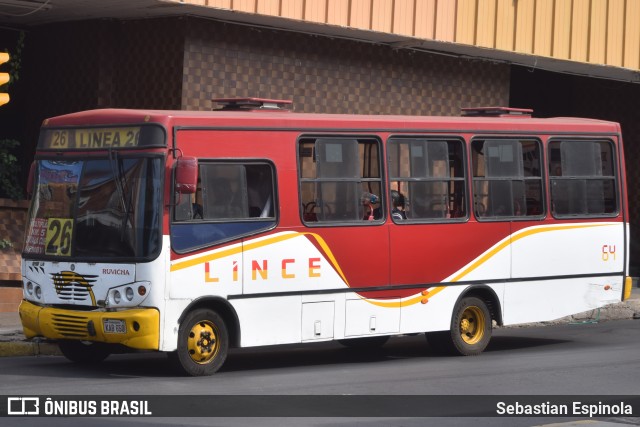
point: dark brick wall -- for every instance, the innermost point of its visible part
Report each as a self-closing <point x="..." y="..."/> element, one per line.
<point x="331" y="75"/>
<point x="181" y="63"/>
<point x="100" y="64"/>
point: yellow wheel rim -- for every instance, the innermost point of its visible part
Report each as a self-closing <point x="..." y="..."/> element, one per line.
<point x="203" y="342"/>
<point x="472" y="325"/>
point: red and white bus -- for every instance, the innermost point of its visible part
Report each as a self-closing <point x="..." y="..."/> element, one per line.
<point x="194" y="232"/>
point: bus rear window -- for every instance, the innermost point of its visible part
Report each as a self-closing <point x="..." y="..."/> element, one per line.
<point x="582" y="178"/>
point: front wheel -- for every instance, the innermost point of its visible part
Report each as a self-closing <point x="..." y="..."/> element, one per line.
<point x="84" y="351"/>
<point x="203" y="343"/>
<point x="470" y="329"/>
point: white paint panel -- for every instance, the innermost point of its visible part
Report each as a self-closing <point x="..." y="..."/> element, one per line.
<point x="269" y="321"/>
<point x="364" y="318"/>
<point x="338" y="313"/>
<point x="589" y="248"/>
<point x="539" y="301"/>
<point x="317" y="320"/>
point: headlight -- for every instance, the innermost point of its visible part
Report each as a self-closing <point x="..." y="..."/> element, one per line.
<point x="30" y="288"/>
<point x="38" y="292"/>
<point x="126" y="295"/>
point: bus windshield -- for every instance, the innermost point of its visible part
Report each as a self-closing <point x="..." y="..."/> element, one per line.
<point x="96" y="208"/>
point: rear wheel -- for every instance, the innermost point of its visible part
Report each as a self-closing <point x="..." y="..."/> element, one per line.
<point x="84" y="351"/>
<point x="203" y="343"/>
<point x="470" y="329"/>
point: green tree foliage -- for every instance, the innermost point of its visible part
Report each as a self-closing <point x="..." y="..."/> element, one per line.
<point x="9" y="170"/>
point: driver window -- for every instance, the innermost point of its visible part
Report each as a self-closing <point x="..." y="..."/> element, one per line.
<point x="228" y="191"/>
<point x="232" y="200"/>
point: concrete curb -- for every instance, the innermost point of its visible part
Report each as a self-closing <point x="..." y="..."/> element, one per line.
<point x="28" y="348"/>
<point x="629" y="309"/>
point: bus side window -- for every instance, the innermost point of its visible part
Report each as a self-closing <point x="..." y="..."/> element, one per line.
<point x="340" y="179"/>
<point x="430" y="174"/>
<point x="582" y="178"/>
<point x="507" y="178"/>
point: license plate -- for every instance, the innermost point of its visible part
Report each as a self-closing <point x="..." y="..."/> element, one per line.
<point x="112" y="326"/>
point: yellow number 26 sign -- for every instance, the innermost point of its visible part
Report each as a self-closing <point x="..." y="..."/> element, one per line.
<point x="58" y="237"/>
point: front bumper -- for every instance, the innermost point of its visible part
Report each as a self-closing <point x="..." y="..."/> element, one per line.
<point x="142" y="325"/>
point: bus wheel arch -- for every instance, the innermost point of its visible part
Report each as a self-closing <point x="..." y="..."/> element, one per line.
<point x="224" y="309"/>
<point x="207" y="329"/>
<point x="471" y="323"/>
<point x="490" y="298"/>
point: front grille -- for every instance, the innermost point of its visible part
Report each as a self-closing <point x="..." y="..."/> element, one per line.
<point x="73" y="287"/>
<point x="71" y="326"/>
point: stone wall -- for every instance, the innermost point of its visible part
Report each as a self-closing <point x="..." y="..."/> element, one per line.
<point x="13" y="217"/>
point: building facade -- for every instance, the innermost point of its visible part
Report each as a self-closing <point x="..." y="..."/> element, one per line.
<point x="331" y="56"/>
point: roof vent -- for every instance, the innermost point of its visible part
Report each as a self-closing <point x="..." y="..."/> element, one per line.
<point x="248" y="104"/>
<point x="496" y="112"/>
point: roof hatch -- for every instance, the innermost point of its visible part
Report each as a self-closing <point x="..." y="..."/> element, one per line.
<point x="496" y="112"/>
<point x="247" y="104"/>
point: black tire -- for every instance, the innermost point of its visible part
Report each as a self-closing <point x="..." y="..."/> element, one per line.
<point x="203" y="343"/>
<point x="367" y="342"/>
<point x="84" y="351"/>
<point x="470" y="329"/>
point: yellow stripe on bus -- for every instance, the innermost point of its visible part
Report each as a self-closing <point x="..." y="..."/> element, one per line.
<point x="389" y="304"/>
<point x="514" y="238"/>
<point x="483" y="259"/>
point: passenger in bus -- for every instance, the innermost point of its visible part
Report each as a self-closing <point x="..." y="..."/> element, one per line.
<point x="398" y="205"/>
<point x="368" y="200"/>
<point x="259" y="190"/>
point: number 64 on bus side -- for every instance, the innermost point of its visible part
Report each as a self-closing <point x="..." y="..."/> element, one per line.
<point x="608" y="252"/>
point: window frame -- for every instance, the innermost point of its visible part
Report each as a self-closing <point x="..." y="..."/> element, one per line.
<point x="463" y="179"/>
<point x="519" y="138"/>
<point x="615" y="153"/>
<point x="373" y="138"/>
<point x="270" y="222"/>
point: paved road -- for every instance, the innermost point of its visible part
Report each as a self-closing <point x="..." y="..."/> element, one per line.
<point x="586" y="359"/>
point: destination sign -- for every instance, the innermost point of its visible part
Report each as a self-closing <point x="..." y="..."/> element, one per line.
<point x="91" y="138"/>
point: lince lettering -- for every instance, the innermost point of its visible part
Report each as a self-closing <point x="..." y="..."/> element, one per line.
<point x="263" y="269"/>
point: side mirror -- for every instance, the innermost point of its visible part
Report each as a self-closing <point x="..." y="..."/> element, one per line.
<point x="31" y="179"/>
<point x="186" y="175"/>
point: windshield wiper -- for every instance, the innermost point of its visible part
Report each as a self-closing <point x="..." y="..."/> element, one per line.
<point x="119" y="177"/>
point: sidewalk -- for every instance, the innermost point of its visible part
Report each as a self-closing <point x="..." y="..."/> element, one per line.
<point x="14" y="343"/>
